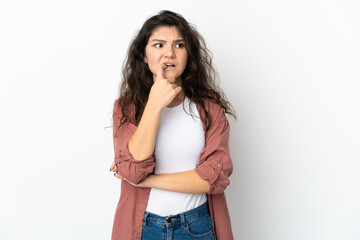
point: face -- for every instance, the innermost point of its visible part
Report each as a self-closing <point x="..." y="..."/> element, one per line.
<point x="166" y="46"/>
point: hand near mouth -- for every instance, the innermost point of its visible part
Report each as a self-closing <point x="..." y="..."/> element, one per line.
<point x="165" y="73"/>
<point x="163" y="91"/>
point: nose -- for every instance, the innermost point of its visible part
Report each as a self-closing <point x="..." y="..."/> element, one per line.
<point x="170" y="52"/>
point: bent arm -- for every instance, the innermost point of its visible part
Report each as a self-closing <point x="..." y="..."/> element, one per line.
<point x="128" y="166"/>
<point x="162" y="93"/>
<point x="184" y="182"/>
<point x="214" y="168"/>
<point x="215" y="165"/>
<point x="212" y="172"/>
<point x="142" y="143"/>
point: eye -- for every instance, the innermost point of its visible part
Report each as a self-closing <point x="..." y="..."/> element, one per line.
<point x="180" y="45"/>
<point x="158" y="45"/>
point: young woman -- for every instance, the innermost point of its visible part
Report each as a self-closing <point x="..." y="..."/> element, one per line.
<point x="171" y="138"/>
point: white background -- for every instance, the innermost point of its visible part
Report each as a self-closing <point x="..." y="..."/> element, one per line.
<point x="290" y="68"/>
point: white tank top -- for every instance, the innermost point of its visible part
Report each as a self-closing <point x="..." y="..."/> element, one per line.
<point x="179" y="141"/>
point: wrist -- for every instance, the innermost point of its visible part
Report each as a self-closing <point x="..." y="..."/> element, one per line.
<point x="152" y="108"/>
<point x="148" y="181"/>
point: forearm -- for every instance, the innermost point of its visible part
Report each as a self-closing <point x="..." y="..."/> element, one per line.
<point x="185" y="182"/>
<point x="142" y="143"/>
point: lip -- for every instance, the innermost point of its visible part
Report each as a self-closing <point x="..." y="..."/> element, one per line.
<point x="170" y="63"/>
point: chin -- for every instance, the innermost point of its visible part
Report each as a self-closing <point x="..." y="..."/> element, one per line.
<point x="172" y="76"/>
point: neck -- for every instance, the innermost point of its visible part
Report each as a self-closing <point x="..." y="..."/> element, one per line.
<point x="178" y="99"/>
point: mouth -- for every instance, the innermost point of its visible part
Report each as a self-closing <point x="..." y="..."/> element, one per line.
<point x="169" y="65"/>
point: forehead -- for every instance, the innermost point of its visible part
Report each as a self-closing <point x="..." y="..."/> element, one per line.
<point x="165" y="32"/>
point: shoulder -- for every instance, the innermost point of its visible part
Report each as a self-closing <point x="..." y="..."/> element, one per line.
<point x="116" y="105"/>
<point x="117" y="110"/>
<point x="216" y="112"/>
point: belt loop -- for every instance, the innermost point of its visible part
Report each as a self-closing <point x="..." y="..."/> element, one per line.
<point x="182" y="219"/>
<point x="145" y="217"/>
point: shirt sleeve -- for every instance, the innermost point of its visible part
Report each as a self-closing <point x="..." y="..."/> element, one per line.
<point x="133" y="170"/>
<point x="215" y="165"/>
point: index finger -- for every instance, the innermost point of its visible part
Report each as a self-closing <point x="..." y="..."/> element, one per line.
<point x="160" y="72"/>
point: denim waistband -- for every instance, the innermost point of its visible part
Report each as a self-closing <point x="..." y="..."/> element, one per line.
<point x="177" y="219"/>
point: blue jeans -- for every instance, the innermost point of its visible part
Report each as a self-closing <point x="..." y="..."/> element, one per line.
<point x="193" y="224"/>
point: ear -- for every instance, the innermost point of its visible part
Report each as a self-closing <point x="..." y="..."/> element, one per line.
<point x="145" y="60"/>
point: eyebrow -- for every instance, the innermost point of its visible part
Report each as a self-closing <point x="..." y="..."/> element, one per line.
<point x="161" y="40"/>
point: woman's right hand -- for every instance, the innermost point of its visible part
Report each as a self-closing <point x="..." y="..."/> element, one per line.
<point x="163" y="91"/>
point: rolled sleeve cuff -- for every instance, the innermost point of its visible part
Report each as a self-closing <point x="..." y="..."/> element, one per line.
<point x="133" y="170"/>
<point x="212" y="172"/>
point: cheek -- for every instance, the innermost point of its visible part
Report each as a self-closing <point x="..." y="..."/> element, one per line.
<point x="152" y="57"/>
<point x="148" y="55"/>
<point x="152" y="62"/>
<point x="184" y="60"/>
<point x="185" y="57"/>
